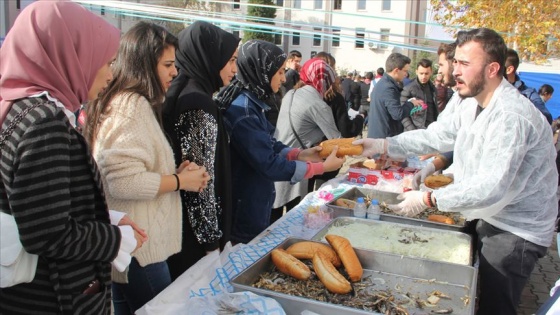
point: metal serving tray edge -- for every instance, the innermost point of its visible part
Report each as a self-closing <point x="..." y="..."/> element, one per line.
<point x="430" y="275"/>
<point x="388" y="198"/>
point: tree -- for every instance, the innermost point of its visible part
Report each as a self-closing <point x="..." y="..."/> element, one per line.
<point x="175" y="26"/>
<point x="532" y="27"/>
<point x="255" y="14"/>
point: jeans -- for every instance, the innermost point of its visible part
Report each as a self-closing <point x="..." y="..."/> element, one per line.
<point x="506" y="262"/>
<point x="144" y="283"/>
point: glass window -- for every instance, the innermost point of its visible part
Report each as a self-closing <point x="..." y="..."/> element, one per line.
<point x="102" y="10"/>
<point x="313" y="54"/>
<point x="361" y="4"/>
<point x="338" y="4"/>
<point x="280" y="3"/>
<point x="386" y="6"/>
<point x="295" y="38"/>
<point x="318" y="4"/>
<point x="384" y="37"/>
<point x="317" y="37"/>
<point x="360" y="34"/>
<point x="278" y="39"/>
<point x="236" y="33"/>
<point x="297" y="4"/>
<point x="236" y="5"/>
<point x="336" y="37"/>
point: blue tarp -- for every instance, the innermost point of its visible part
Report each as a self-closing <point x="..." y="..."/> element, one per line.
<point x="536" y="80"/>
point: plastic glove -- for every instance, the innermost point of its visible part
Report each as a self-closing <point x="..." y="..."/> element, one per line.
<point x="372" y="146"/>
<point x="412" y="204"/>
<point x="420" y="176"/>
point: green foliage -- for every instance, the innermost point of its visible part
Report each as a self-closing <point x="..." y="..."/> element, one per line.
<point x="254" y="14"/>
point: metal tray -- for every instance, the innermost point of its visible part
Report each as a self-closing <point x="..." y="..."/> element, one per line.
<point x="391" y="198"/>
<point x="411" y="230"/>
<point x="394" y="272"/>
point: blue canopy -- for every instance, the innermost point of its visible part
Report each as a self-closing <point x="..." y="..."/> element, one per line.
<point x="536" y="80"/>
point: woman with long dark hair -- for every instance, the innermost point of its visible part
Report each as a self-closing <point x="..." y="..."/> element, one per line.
<point x="136" y="159"/>
<point x="206" y="58"/>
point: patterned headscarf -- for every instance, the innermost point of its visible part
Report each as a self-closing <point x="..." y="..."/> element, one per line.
<point x="257" y="63"/>
<point x="317" y="73"/>
<point x="54" y="46"/>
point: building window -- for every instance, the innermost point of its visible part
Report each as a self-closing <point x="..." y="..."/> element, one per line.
<point x="236" y="5"/>
<point x="295" y="38"/>
<point x="384" y="37"/>
<point x="297" y="4"/>
<point x="236" y="33"/>
<point x="317" y="37"/>
<point x="278" y="39"/>
<point x="102" y="10"/>
<point x="361" y="4"/>
<point x="318" y="4"/>
<point x="386" y="5"/>
<point x="336" y="37"/>
<point x="18" y="4"/>
<point x="313" y="54"/>
<point x="338" y="4"/>
<point x="280" y="3"/>
<point x="360" y="34"/>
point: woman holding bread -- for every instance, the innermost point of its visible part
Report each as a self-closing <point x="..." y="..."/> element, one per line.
<point x="304" y="121"/>
<point x="258" y="159"/>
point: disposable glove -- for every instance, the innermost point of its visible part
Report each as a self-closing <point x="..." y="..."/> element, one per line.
<point x="421" y="175"/>
<point x="411" y="205"/>
<point x="352" y="113"/>
<point x="372" y="146"/>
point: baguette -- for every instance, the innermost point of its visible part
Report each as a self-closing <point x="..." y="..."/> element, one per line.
<point x="306" y="250"/>
<point x="329" y="276"/>
<point x="345" y="147"/>
<point x="348" y="256"/>
<point x="290" y="265"/>
<point x="441" y="219"/>
<point x="346" y="203"/>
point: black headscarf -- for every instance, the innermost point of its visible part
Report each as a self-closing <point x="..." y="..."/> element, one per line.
<point x="257" y="63"/>
<point x="204" y="49"/>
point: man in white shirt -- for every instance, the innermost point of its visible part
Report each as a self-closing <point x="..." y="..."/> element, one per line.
<point x="504" y="169"/>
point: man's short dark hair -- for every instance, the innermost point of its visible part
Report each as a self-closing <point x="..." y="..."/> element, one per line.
<point x="448" y="50"/>
<point x="396" y="61"/>
<point x="546" y="89"/>
<point x="369" y="75"/>
<point x="350" y="74"/>
<point x="425" y="63"/>
<point x="380" y="71"/>
<point x="293" y="54"/>
<point x="492" y="44"/>
<point x="512" y="59"/>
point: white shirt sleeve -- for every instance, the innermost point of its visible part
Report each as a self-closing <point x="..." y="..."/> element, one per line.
<point x="128" y="241"/>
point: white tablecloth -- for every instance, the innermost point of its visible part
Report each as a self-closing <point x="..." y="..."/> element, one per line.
<point x="211" y="275"/>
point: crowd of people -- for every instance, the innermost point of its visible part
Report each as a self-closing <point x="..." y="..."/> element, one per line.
<point x="177" y="140"/>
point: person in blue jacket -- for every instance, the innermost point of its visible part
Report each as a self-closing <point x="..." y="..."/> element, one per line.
<point x="257" y="158"/>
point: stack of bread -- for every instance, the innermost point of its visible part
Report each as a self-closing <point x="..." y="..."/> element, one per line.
<point x="326" y="259"/>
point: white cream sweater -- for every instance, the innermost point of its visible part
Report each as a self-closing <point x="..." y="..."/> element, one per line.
<point x="133" y="153"/>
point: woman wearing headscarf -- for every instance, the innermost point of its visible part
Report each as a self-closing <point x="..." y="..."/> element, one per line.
<point x="304" y="120"/>
<point x="57" y="56"/>
<point x="257" y="158"/>
<point x="205" y="58"/>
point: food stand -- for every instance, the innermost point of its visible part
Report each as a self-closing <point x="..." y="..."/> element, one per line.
<point x="211" y="278"/>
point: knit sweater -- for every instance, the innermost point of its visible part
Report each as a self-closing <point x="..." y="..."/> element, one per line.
<point x="133" y="153"/>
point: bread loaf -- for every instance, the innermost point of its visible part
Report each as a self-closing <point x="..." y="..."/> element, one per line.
<point x="290" y="265"/>
<point x="329" y="276"/>
<point x="306" y="250"/>
<point x="345" y="147"/>
<point x="440" y="218"/>
<point x="346" y="253"/>
<point x="346" y="203"/>
<point x="437" y="181"/>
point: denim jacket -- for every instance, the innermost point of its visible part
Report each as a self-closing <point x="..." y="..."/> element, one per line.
<point x="258" y="160"/>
